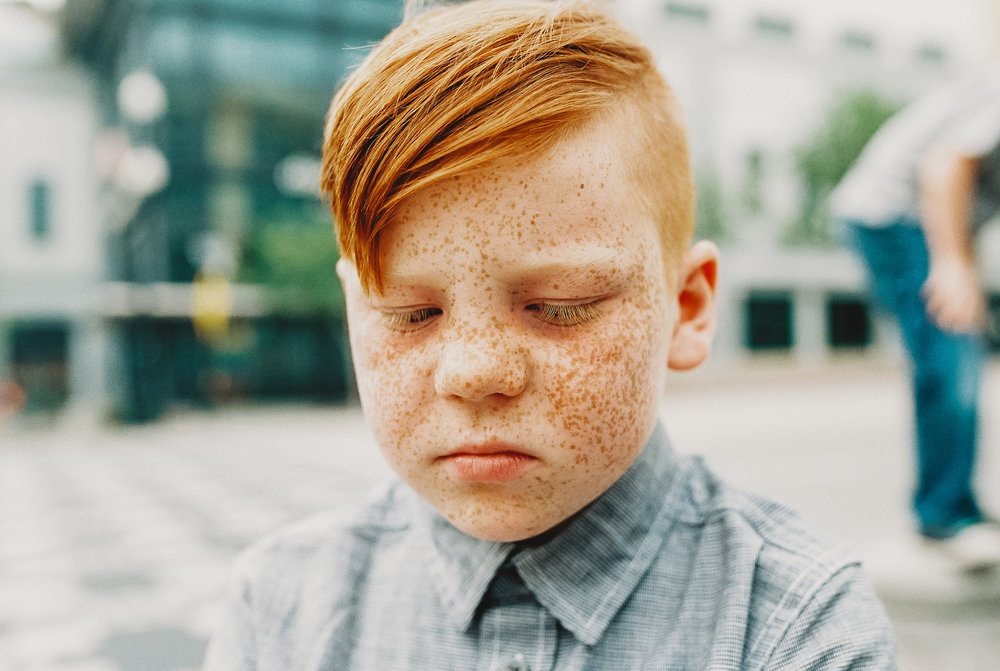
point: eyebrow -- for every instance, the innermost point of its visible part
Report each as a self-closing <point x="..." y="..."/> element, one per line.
<point x="603" y="262"/>
<point x="590" y="261"/>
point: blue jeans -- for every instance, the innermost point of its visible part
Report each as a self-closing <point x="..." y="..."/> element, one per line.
<point x="946" y="370"/>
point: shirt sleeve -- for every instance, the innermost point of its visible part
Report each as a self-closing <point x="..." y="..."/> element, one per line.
<point x="232" y="645"/>
<point x="843" y="626"/>
<point x="977" y="132"/>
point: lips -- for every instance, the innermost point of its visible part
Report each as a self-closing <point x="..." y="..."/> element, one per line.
<point x="487" y="463"/>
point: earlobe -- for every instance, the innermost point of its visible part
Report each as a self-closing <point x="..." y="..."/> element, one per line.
<point x="695" y="327"/>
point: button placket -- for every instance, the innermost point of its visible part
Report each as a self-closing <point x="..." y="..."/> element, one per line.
<point x="518" y="663"/>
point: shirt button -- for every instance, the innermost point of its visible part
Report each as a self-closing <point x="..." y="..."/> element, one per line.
<point x="517" y="664"/>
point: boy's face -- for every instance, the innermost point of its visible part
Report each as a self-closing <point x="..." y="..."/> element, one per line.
<point x="511" y="370"/>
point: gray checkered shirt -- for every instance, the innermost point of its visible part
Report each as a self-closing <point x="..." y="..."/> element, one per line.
<point x="668" y="569"/>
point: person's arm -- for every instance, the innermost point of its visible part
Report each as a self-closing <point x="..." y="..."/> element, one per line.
<point x="953" y="292"/>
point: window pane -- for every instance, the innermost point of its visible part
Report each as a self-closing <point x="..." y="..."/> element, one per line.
<point x="847" y="322"/>
<point x="39" y="209"/>
<point x="769" y="322"/>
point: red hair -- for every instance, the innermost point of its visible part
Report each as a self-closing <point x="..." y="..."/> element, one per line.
<point x="462" y="86"/>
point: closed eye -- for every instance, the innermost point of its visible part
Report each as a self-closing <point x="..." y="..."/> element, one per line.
<point x="408" y="320"/>
<point x="559" y="314"/>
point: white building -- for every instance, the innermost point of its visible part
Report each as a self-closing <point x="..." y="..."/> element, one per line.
<point x="51" y="260"/>
<point x="756" y="78"/>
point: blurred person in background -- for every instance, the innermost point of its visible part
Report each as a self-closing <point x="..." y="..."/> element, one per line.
<point x="912" y="205"/>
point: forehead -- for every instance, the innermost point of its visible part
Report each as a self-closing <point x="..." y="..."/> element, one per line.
<point x="574" y="189"/>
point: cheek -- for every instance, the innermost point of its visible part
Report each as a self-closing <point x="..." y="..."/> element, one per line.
<point x="603" y="394"/>
<point x="390" y="378"/>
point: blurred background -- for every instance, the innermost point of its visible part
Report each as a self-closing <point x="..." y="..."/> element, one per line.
<point x="172" y="344"/>
<point x="161" y="240"/>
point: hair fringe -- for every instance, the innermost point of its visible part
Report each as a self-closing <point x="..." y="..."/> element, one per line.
<point x="460" y="86"/>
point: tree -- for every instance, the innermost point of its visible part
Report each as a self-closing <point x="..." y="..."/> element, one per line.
<point x="295" y="258"/>
<point x="824" y="159"/>
<point x="710" y="216"/>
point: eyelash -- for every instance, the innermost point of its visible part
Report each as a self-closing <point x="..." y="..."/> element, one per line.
<point x="558" y="314"/>
<point x="555" y="314"/>
<point x="410" y="320"/>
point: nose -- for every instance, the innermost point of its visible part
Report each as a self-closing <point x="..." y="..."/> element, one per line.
<point x="475" y="369"/>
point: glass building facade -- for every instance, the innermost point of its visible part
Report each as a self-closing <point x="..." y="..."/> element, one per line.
<point x="246" y="89"/>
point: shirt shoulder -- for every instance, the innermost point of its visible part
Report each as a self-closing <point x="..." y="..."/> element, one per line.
<point x="323" y="554"/>
<point x="293" y="594"/>
<point x="783" y="535"/>
<point x="378" y="515"/>
<point x="804" y="592"/>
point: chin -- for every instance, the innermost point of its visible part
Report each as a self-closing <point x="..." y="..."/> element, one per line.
<point x="501" y="531"/>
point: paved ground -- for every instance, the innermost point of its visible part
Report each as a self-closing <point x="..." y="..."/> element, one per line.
<point x="116" y="543"/>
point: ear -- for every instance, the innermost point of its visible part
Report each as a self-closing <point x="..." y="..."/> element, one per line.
<point x="348" y="275"/>
<point x="345" y="270"/>
<point x="695" y="327"/>
<point x="350" y="283"/>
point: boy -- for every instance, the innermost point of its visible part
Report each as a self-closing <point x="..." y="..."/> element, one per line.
<point x="514" y="205"/>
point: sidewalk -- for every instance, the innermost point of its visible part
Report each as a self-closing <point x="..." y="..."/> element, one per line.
<point x="117" y="542"/>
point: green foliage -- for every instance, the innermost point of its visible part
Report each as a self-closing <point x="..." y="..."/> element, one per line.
<point x="710" y="215"/>
<point x="295" y="258"/>
<point x="824" y="159"/>
<point x="752" y="196"/>
<point x="850" y="123"/>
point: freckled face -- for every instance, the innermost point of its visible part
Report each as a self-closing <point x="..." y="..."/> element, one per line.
<point x="512" y="368"/>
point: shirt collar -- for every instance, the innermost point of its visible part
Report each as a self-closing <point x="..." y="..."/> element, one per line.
<point x="460" y="567"/>
<point x="582" y="575"/>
